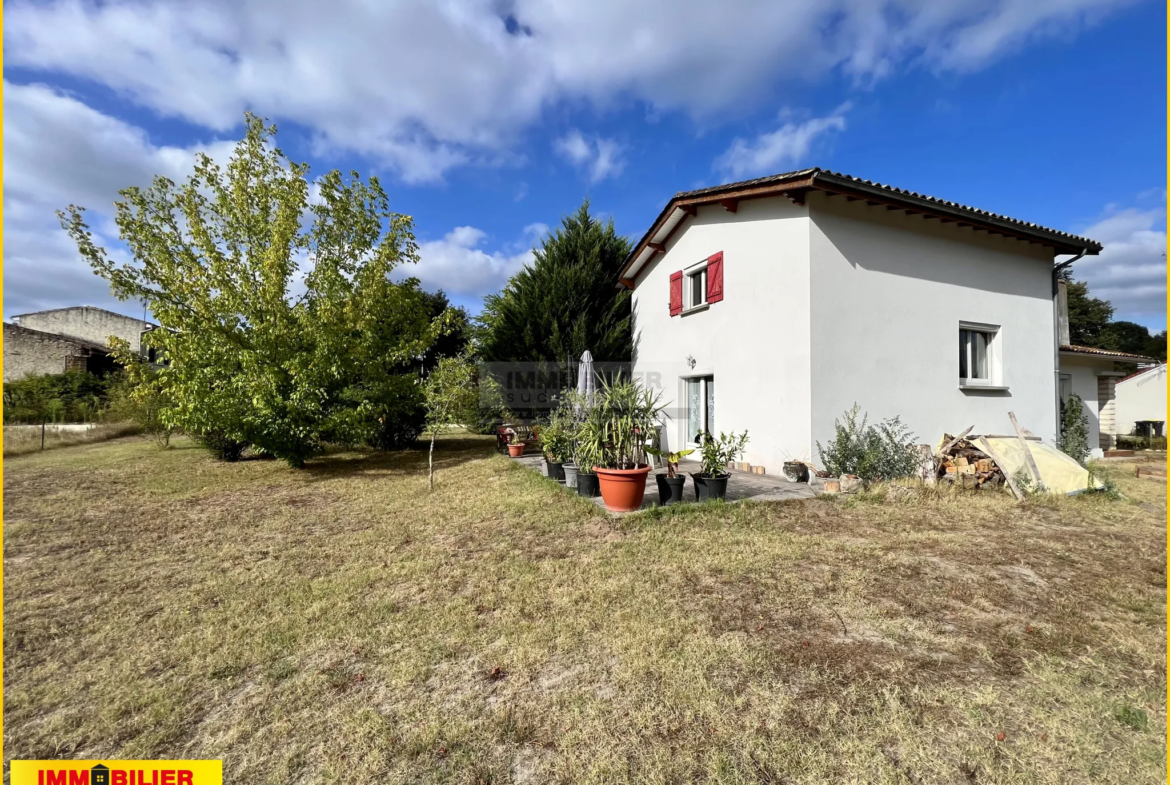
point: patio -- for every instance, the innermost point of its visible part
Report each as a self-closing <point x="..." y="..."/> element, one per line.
<point x="743" y="485"/>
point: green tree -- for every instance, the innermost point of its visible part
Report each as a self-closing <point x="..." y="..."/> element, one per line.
<point x="455" y="395"/>
<point x="566" y="301"/>
<point x="456" y="339"/>
<point x="1087" y="315"/>
<point x="1125" y="337"/>
<point x="259" y="354"/>
<point x="1156" y="346"/>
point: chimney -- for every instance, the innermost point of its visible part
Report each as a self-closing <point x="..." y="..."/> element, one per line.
<point x="1062" y="313"/>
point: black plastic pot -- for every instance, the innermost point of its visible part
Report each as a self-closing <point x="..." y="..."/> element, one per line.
<point x="710" y="487"/>
<point x="670" y="489"/>
<point x="556" y="471"/>
<point x="588" y="485"/>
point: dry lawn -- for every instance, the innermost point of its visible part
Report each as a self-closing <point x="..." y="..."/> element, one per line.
<point x="340" y="624"/>
<point x="24" y="439"/>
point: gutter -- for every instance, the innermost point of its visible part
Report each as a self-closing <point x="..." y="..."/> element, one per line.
<point x="1056" y="333"/>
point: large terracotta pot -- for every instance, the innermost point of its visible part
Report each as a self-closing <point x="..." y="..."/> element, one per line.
<point x="516" y="449"/>
<point x="622" y="489"/>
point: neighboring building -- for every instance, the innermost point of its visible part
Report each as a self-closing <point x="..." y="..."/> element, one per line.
<point x="88" y="323"/>
<point x="1092" y="374"/>
<point x="1141" y="398"/>
<point x="67" y="339"/>
<point x="774" y="305"/>
<point x="35" y="353"/>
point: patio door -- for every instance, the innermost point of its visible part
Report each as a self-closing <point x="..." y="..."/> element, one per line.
<point x="700" y="408"/>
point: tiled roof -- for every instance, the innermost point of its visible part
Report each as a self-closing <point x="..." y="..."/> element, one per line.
<point x="1141" y="372"/>
<point x="1093" y="350"/>
<point x="829" y="176"/>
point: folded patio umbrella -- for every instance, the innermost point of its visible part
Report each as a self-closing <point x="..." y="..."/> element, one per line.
<point x="586" y="383"/>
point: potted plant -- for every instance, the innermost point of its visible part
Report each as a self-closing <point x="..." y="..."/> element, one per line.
<point x="588" y="440"/>
<point x="556" y="441"/>
<point x="626" y="413"/>
<point x="515" y="446"/>
<point x="711" y="482"/>
<point x="670" y="485"/>
<point x="796" y="471"/>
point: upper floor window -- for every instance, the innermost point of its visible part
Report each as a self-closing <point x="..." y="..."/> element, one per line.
<point x="979" y="355"/>
<point x="696" y="286"/>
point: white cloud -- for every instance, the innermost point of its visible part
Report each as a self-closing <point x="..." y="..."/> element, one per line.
<point x="458" y="265"/>
<point x="1131" y="270"/>
<point x="58" y="152"/>
<point x="599" y="158"/>
<point x="771" y="152"/>
<point x="379" y="78"/>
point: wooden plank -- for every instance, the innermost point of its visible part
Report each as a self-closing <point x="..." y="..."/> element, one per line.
<point x="986" y="447"/>
<point x="954" y="441"/>
<point x="1032" y="467"/>
<point x="730" y="205"/>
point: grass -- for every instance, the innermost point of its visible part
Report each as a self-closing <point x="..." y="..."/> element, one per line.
<point x="24" y="439"/>
<point x="340" y="623"/>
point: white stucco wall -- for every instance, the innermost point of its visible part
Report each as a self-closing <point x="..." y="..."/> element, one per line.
<point x="755" y="342"/>
<point x="888" y="291"/>
<point x="1084" y="371"/>
<point x="1141" y="398"/>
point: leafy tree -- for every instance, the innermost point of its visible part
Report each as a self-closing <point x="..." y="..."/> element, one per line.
<point x="73" y="396"/>
<point x="456" y="339"/>
<point x="1125" y="337"/>
<point x="259" y="354"/>
<point x="1156" y="346"/>
<point x="455" y="395"/>
<point x="139" y="395"/>
<point x="567" y="301"/>
<point x="1087" y="316"/>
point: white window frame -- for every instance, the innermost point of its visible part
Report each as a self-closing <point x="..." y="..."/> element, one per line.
<point x="994" y="380"/>
<point x="695" y="271"/>
<point x="702" y="376"/>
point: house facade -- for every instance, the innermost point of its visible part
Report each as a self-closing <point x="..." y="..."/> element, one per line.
<point x="62" y="339"/>
<point x="775" y="305"/>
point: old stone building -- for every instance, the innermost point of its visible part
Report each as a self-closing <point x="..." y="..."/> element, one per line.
<point x="35" y="353"/>
<point x="67" y="339"/>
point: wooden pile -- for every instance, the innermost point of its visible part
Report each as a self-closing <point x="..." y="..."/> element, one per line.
<point x="961" y="462"/>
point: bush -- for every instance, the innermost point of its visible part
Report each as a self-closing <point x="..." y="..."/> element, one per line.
<point x="1074" y="429"/>
<point x="872" y="452"/>
<point x="136" y="398"/>
<point x="73" y="396"/>
<point x="223" y="447"/>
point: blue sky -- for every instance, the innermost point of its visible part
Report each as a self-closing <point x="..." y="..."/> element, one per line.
<point x="488" y="120"/>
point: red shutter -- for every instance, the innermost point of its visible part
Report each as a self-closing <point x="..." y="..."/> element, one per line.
<point x="715" y="278"/>
<point x="676" y="293"/>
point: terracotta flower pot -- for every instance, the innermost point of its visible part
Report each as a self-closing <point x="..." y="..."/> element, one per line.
<point x="622" y="489"/>
<point x="516" y="450"/>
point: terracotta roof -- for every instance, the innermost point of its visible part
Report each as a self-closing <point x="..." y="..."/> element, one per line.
<point x="795" y="184"/>
<point x="1141" y="372"/>
<point x="1108" y="353"/>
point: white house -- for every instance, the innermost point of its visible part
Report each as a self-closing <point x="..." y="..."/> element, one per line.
<point x="774" y="305"/>
<point x="1141" y="397"/>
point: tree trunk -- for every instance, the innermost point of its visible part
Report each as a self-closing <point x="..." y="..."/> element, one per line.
<point x="431" y="461"/>
<point x="42" y="433"/>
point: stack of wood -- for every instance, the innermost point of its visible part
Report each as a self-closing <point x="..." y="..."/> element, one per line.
<point x="961" y="462"/>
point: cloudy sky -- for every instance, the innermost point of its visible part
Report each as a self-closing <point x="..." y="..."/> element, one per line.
<point x="488" y="120"/>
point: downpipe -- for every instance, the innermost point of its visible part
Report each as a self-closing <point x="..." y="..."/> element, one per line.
<point x="1056" y="333"/>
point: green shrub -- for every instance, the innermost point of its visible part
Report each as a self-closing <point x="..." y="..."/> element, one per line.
<point x="717" y="453"/>
<point x="872" y="452"/>
<point x="73" y="396"/>
<point x="1074" y="429"/>
<point x="221" y="446"/>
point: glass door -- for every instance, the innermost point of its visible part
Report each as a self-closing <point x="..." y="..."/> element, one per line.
<point x="700" y="408"/>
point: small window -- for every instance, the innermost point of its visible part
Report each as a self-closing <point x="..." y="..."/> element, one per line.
<point x="696" y="287"/>
<point x="978" y="356"/>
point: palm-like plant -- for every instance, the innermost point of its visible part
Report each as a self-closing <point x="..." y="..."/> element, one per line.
<point x="628" y="415"/>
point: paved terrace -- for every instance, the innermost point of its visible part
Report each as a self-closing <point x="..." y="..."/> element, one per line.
<point x="741" y="486"/>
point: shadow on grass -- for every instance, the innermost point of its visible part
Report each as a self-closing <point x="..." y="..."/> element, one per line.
<point x="374" y="464"/>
